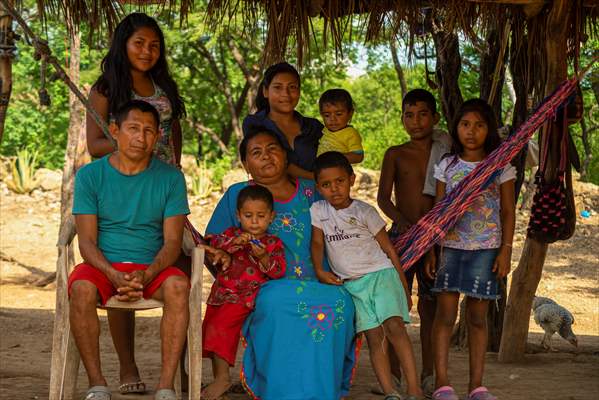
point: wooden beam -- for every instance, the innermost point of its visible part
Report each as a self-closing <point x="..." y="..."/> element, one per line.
<point x="526" y="277"/>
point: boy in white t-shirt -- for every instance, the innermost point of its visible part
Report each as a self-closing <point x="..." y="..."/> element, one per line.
<point x="364" y="261"/>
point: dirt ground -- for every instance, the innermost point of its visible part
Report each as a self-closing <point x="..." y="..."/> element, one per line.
<point x="28" y="232"/>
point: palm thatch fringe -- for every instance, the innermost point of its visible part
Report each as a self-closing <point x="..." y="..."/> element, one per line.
<point x="290" y="22"/>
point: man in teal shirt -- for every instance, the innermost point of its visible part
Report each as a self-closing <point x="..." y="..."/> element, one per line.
<point x="129" y="211"/>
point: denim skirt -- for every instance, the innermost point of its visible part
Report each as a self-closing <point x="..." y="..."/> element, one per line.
<point x="468" y="272"/>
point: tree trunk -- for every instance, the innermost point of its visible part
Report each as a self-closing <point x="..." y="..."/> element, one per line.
<point x="526" y="277"/>
<point x="254" y="81"/>
<point x="6" y="57"/>
<point x="519" y="63"/>
<point x="488" y="65"/>
<point x="67" y="223"/>
<point x="448" y="70"/>
<point x="400" y="74"/>
<point x="588" y="151"/>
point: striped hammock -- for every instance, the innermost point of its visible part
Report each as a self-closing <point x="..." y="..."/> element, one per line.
<point x="433" y="227"/>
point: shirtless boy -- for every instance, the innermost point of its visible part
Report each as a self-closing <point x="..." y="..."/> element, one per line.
<point x="407" y="171"/>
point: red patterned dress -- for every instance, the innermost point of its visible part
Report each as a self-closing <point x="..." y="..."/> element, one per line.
<point x="234" y="291"/>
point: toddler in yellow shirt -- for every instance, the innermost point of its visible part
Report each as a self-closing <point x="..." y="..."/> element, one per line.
<point x="337" y="108"/>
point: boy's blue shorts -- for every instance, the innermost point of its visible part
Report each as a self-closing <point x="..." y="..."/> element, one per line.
<point x="377" y="297"/>
<point x="468" y="272"/>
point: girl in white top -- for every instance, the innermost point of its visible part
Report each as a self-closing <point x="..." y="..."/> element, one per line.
<point x="476" y="253"/>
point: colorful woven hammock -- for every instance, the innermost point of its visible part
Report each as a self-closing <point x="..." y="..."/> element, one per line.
<point x="433" y="227"/>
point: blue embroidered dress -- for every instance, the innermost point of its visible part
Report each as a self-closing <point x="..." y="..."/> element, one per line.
<point x="300" y="337"/>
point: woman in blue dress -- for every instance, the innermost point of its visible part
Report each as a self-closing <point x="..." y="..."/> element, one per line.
<point x="300" y="338"/>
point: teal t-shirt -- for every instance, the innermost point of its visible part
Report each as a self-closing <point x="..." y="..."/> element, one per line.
<point x="130" y="208"/>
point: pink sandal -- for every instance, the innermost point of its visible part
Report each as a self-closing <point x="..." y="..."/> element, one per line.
<point x="481" y="393"/>
<point x="445" y="393"/>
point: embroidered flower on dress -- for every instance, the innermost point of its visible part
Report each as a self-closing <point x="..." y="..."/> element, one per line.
<point x="297" y="267"/>
<point x="321" y="317"/>
<point x="308" y="192"/>
<point x="286" y="222"/>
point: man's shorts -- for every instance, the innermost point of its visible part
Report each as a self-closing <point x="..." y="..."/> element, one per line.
<point x="221" y="330"/>
<point x="377" y="297"/>
<point x="86" y="272"/>
<point x="425" y="285"/>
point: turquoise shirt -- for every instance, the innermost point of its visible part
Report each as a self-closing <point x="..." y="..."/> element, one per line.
<point x="131" y="209"/>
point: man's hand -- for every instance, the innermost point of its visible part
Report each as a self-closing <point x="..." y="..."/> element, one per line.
<point x="430" y="264"/>
<point x="328" y="278"/>
<point x="217" y="256"/>
<point x="503" y="262"/>
<point x="129" y="287"/>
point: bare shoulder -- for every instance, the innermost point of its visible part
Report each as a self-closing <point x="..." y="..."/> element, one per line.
<point x="97" y="99"/>
<point x="395" y="151"/>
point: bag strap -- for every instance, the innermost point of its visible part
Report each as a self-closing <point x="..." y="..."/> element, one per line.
<point x="545" y="140"/>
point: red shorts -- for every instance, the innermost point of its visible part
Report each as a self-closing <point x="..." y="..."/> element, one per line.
<point x="221" y="329"/>
<point x="86" y="272"/>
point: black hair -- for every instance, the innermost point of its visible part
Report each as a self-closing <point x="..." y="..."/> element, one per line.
<point x="336" y="96"/>
<point x="269" y="75"/>
<point x="115" y="82"/>
<point x="122" y="113"/>
<point x="416" y="95"/>
<point x="243" y="146"/>
<point x="482" y="108"/>
<point x="331" y="159"/>
<point x="255" y="192"/>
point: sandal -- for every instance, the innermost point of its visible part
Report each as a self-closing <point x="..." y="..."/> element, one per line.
<point x="428" y="386"/>
<point x="445" y="393"/>
<point x="376" y="389"/>
<point x="392" y="396"/>
<point x="97" y="393"/>
<point x="481" y="393"/>
<point x="165" y="394"/>
<point x="133" y="387"/>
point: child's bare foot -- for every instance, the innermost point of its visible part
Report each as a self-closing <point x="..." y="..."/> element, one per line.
<point x="216" y="389"/>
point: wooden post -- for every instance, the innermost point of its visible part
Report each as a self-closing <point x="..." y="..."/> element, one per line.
<point x="194" y="332"/>
<point x="526" y="277"/>
<point x="65" y="357"/>
<point x="7" y="53"/>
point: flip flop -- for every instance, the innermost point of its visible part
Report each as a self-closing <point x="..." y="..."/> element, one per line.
<point x="445" y="393"/>
<point x="97" y="393"/>
<point x="133" y="387"/>
<point x="428" y="386"/>
<point x="481" y="393"/>
<point x="392" y="396"/>
<point x="376" y="389"/>
<point x="165" y="394"/>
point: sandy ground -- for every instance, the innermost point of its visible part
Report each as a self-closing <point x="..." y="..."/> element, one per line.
<point x="28" y="232"/>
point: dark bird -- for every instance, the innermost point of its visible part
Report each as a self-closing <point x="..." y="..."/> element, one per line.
<point x="553" y="318"/>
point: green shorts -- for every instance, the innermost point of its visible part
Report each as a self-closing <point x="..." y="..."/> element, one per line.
<point x="377" y="297"/>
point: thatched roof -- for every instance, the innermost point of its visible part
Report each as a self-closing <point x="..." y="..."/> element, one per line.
<point x="290" y="21"/>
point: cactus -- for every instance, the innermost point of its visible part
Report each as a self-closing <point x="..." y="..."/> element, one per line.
<point x="201" y="181"/>
<point x="22" y="172"/>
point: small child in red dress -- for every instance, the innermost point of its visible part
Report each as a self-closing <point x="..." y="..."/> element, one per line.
<point x="249" y="258"/>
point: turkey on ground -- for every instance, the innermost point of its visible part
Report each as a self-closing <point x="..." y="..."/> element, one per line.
<point x="553" y="318"/>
